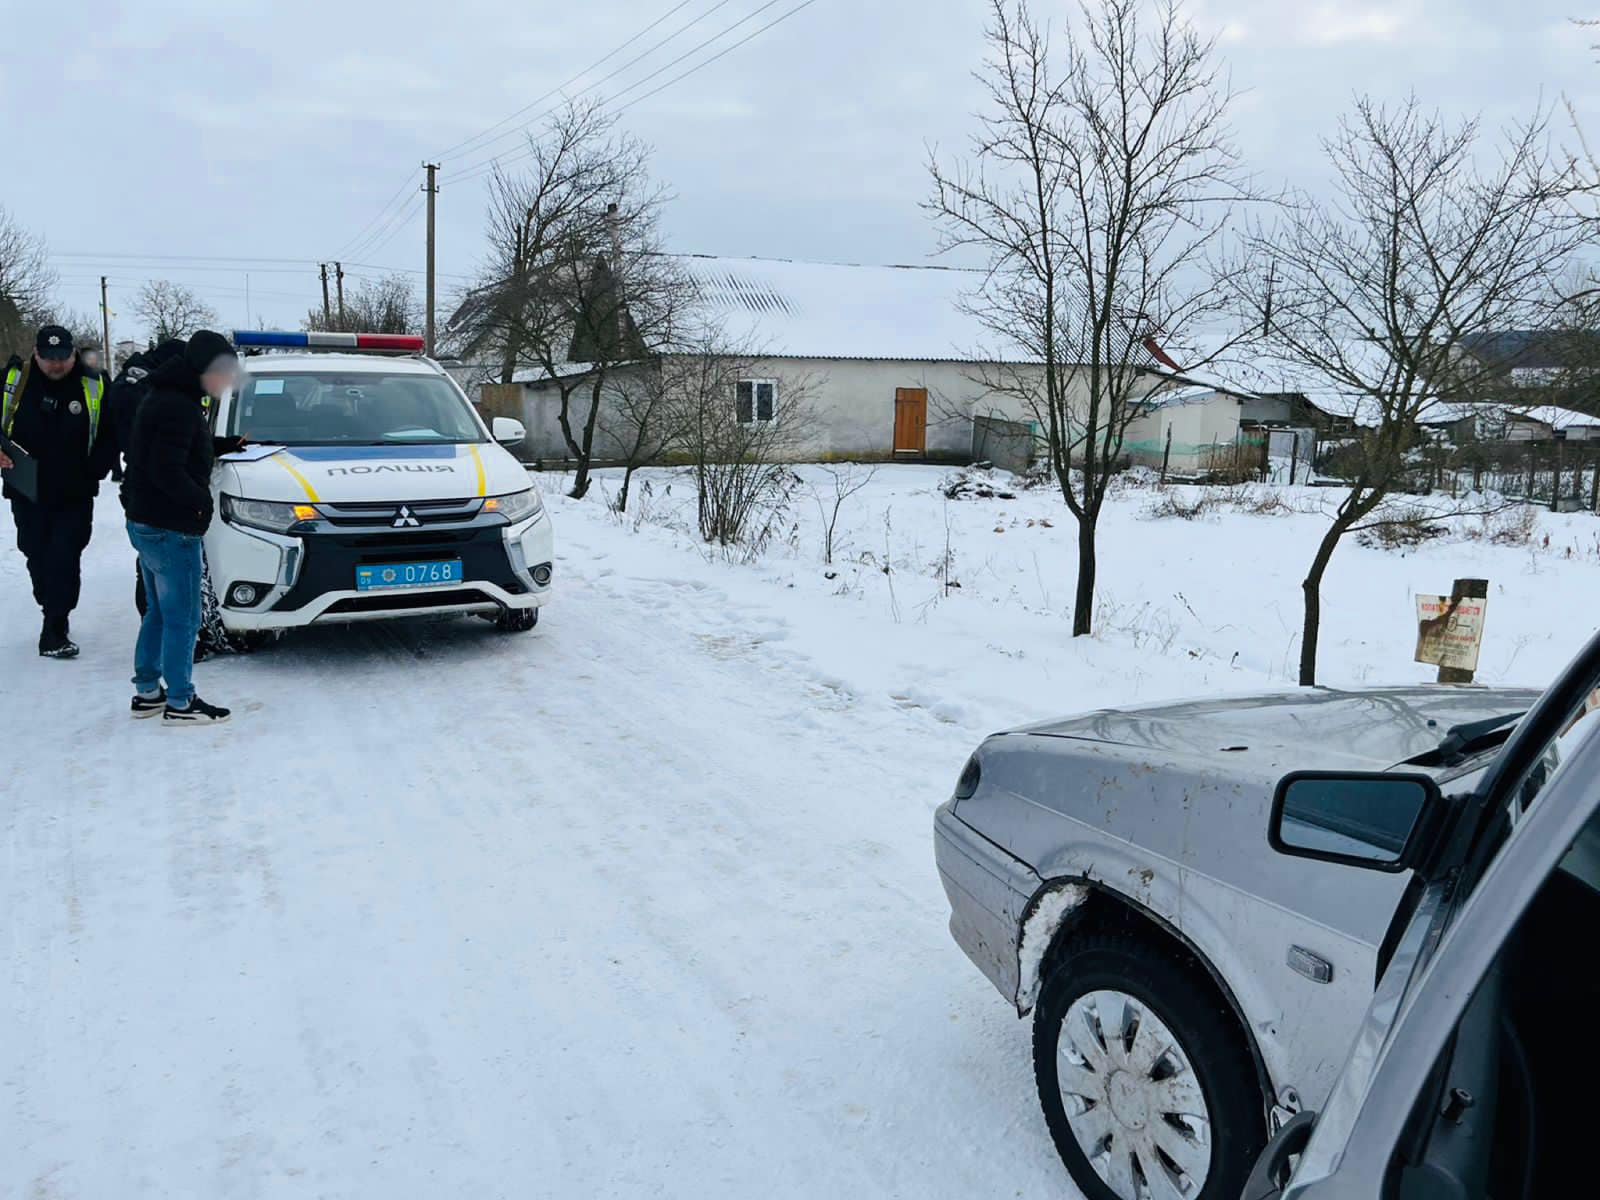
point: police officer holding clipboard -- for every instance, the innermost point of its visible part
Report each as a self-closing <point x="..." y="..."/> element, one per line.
<point x="50" y="411"/>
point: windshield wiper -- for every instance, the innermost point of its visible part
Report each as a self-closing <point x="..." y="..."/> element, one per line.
<point x="1461" y="742"/>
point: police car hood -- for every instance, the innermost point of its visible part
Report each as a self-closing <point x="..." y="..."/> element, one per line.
<point x="345" y="474"/>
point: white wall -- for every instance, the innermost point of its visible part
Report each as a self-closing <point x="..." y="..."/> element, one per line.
<point x="852" y="402"/>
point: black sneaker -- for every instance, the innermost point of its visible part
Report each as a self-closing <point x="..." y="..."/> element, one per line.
<point x="198" y="713"/>
<point x="149" y="706"/>
<point x="54" y="641"/>
<point x="58" y="646"/>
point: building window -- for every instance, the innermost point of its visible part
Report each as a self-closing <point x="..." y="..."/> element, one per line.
<point x="757" y="400"/>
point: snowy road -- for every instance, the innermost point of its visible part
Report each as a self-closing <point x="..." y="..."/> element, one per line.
<point x="637" y="905"/>
<point x="640" y="904"/>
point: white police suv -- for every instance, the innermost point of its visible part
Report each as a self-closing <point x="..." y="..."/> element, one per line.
<point x="369" y="488"/>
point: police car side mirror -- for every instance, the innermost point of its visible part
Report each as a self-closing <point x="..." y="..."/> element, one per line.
<point x="508" y="432"/>
<point x="1374" y="820"/>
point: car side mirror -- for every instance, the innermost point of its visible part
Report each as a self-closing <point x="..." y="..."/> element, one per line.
<point x="508" y="431"/>
<point x="1377" y="820"/>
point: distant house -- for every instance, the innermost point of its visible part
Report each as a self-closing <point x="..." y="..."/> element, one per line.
<point x="893" y="366"/>
<point x="1464" y="423"/>
<point x="1189" y="430"/>
<point x="1520" y="359"/>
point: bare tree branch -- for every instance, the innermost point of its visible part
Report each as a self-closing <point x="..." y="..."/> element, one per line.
<point x="170" y="310"/>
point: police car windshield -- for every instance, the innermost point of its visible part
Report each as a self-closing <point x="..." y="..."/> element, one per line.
<point x="304" y="408"/>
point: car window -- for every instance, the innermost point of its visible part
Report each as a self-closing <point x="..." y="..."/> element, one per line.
<point x="312" y="409"/>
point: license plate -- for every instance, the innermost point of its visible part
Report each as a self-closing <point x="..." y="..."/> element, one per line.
<point x="378" y="577"/>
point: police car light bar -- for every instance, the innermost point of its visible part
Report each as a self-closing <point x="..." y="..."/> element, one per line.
<point x="272" y="339"/>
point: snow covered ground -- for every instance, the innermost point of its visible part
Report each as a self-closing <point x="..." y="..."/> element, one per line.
<point x="640" y="904"/>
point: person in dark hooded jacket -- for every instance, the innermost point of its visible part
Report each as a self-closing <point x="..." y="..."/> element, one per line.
<point x="123" y="398"/>
<point x="167" y="498"/>
<point x="129" y="388"/>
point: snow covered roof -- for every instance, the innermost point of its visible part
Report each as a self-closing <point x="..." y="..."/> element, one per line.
<point x="1545" y="414"/>
<point x="836" y="310"/>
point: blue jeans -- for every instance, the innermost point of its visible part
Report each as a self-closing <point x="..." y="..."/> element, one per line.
<point x="171" y="564"/>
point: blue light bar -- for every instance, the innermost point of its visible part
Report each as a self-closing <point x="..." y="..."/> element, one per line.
<point x="269" y="337"/>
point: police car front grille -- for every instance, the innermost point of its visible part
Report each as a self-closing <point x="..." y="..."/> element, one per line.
<point x="400" y="514"/>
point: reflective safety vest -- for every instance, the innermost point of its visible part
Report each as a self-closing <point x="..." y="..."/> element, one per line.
<point x="93" y="391"/>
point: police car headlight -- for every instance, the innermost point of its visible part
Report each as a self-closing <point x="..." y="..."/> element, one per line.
<point x="271" y="515"/>
<point x="515" y="506"/>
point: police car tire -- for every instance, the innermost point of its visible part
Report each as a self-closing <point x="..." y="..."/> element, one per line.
<point x="516" y="620"/>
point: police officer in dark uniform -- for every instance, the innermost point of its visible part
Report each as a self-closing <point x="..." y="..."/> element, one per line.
<point x="52" y="407"/>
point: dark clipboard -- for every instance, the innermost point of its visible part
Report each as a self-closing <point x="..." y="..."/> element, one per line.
<point x="24" y="477"/>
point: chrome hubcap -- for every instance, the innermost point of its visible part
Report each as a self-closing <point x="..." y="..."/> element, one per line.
<point x="1132" y="1100"/>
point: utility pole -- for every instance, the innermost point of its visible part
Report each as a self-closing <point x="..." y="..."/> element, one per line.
<point x="107" y="355"/>
<point x="432" y="188"/>
<point x="338" y="270"/>
<point x="327" y="309"/>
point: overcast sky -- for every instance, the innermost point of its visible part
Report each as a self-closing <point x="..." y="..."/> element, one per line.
<point x="280" y="129"/>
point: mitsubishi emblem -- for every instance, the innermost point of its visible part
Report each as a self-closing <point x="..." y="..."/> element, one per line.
<point x="405" y="520"/>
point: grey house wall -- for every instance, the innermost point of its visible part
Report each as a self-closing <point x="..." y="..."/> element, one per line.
<point x="852" y="402"/>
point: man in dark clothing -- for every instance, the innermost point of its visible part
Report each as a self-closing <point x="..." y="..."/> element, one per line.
<point x="167" y="497"/>
<point x="123" y="400"/>
<point x="51" y="407"/>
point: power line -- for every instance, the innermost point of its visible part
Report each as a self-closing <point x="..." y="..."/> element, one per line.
<point x="368" y="235"/>
<point x="382" y="235"/>
<point x="486" y="166"/>
<point x="224" y="264"/>
<point x="382" y="213"/>
<point x="407" y="216"/>
<point x="460" y="147"/>
<point x="476" y="169"/>
<point x="719" y="54"/>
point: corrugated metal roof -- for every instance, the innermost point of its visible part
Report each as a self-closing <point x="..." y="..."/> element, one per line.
<point x="839" y="310"/>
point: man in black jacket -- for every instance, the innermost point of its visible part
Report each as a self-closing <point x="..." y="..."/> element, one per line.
<point x="51" y="407"/>
<point x="123" y="400"/>
<point x="167" y="496"/>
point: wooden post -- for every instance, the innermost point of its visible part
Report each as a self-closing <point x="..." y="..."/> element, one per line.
<point x="1532" y="463"/>
<point x="1594" y="485"/>
<point x="1555" y="478"/>
<point x="1294" y="457"/>
<point x="1166" y="455"/>
<point x="1462" y="590"/>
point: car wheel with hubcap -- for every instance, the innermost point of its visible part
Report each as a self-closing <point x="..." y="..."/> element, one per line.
<point x="1147" y="1083"/>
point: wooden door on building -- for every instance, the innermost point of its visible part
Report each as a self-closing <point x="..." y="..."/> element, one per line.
<point x="911" y="420"/>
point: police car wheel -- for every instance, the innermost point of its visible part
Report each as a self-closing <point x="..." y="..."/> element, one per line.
<point x="516" y="620"/>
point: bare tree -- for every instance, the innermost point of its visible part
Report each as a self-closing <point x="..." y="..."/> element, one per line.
<point x="741" y="421"/>
<point x="1096" y="187"/>
<point x="576" y="285"/>
<point x="171" y="310"/>
<point x="26" y="282"/>
<point x="384" y="304"/>
<point x="1430" y="239"/>
<point x="639" y="419"/>
<point x="844" y="481"/>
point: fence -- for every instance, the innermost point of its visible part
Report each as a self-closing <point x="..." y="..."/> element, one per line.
<point x="1564" y="475"/>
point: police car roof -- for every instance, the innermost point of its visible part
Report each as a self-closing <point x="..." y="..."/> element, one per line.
<point x="341" y="364"/>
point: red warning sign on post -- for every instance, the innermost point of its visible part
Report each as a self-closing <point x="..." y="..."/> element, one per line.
<point x="1450" y="630"/>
